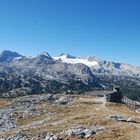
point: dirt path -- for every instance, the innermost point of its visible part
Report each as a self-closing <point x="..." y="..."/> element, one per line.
<point x="103" y="108"/>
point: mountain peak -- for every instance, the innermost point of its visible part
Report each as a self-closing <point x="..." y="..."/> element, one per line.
<point x="44" y="57"/>
<point x="7" y="56"/>
<point x="66" y="55"/>
<point x="7" y="52"/>
<point x="46" y="54"/>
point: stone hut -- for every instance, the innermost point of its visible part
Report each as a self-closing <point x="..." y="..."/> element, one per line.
<point x="114" y="96"/>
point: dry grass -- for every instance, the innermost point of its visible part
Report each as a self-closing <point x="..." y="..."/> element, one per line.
<point x="86" y="111"/>
<point x="5" y="103"/>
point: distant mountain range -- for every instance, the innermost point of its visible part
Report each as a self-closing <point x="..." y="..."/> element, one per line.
<point x="21" y="75"/>
<point x="100" y="67"/>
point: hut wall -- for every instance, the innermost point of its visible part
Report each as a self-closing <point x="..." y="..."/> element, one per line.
<point x="114" y="97"/>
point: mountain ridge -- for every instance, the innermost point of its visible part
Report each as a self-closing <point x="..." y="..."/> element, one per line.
<point x="67" y="55"/>
<point x="44" y="74"/>
<point x="97" y="65"/>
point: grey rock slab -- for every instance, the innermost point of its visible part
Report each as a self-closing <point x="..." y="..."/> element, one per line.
<point x="51" y="136"/>
<point x="121" y="118"/>
<point x="84" y="132"/>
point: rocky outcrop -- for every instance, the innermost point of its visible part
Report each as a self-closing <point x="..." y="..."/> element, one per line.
<point x="7" y="121"/>
<point x="51" y="136"/>
<point x="27" y="107"/>
<point x="83" y="132"/>
<point x="121" y="118"/>
<point x="21" y="135"/>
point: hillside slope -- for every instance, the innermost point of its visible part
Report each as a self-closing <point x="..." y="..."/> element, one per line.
<point x="41" y="115"/>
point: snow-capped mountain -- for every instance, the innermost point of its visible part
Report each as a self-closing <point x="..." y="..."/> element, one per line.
<point x="74" y="60"/>
<point x="97" y="66"/>
<point x="21" y="75"/>
<point x="45" y="55"/>
<point x="44" y="74"/>
<point x="100" y="67"/>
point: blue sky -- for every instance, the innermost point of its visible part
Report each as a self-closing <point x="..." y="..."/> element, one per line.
<point x="108" y="29"/>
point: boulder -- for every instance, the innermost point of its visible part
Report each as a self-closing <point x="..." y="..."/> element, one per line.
<point x="62" y="101"/>
<point x="51" y="136"/>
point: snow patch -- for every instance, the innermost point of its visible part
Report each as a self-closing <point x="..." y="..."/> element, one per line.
<point x="46" y="54"/>
<point x="76" y="61"/>
<point x="17" y="58"/>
